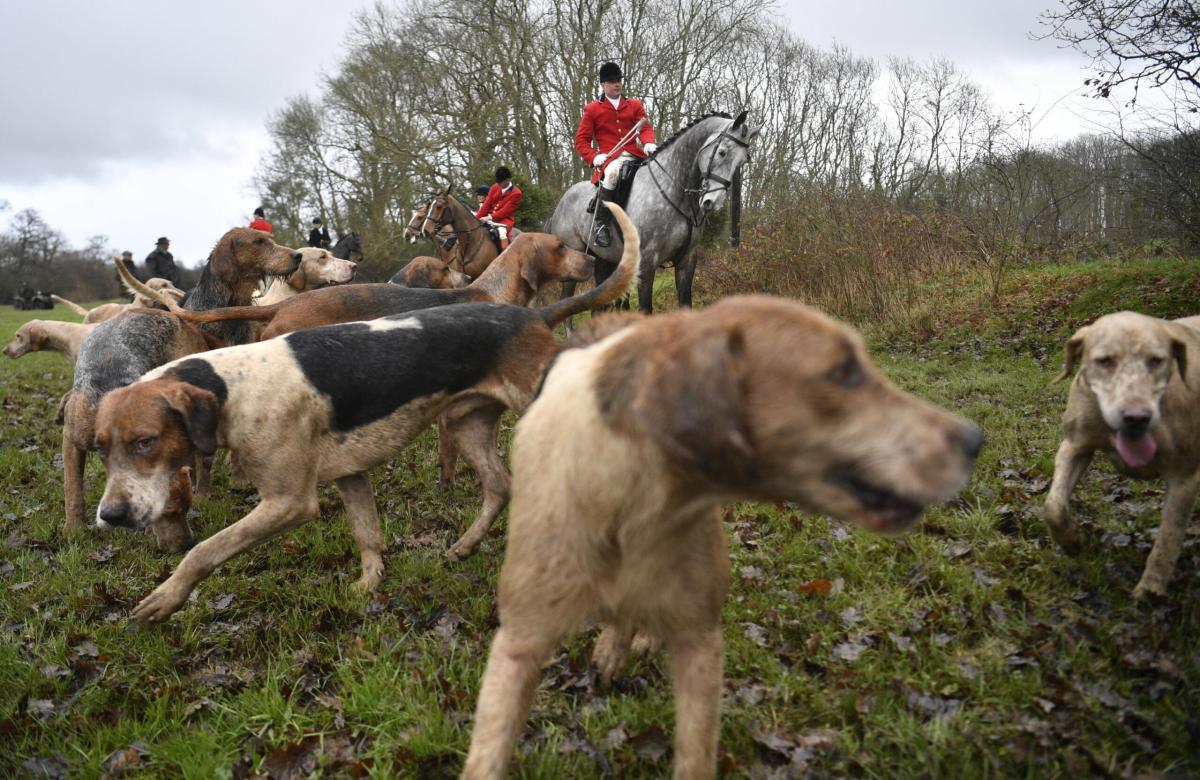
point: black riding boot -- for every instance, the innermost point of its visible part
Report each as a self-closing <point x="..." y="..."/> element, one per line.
<point x="603" y="218"/>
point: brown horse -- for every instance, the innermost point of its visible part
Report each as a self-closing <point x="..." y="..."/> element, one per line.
<point x="473" y="244"/>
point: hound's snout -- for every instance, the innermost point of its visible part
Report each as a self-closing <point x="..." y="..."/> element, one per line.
<point x="115" y="514"/>
<point x="1135" y="422"/>
<point x="970" y="438"/>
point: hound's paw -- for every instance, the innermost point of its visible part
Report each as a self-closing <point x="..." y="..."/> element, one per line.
<point x="160" y="605"/>
<point x="462" y="549"/>
<point x="612" y="647"/>
<point x="1068" y="537"/>
<point x="1149" y="590"/>
<point x="368" y="583"/>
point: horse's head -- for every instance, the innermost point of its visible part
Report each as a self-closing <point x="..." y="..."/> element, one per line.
<point x="416" y="224"/>
<point x="348" y="247"/>
<point x="720" y="158"/>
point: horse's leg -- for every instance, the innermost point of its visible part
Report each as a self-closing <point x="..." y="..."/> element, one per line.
<point x="568" y="290"/>
<point x="684" y="271"/>
<point x="602" y="269"/>
<point x="646" y="290"/>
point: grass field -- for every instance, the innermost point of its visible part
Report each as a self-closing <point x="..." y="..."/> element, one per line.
<point x="970" y="648"/>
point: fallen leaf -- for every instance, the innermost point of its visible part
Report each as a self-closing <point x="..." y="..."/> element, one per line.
<point x="814" y="586"/>
<point x="651" y="744"/>
<point x="123" y="760"/>
<point x="54" y="767"/>
<point x="927" y="704"/>
<point x="851" y="649"/>
<point x="104" y="554"/>
<point x="755" y="633"/>
<point x="957" y="549"/>
<point x="222" y="602"/>
<point x="851" y="616"/>
<point x="902" y="643"/>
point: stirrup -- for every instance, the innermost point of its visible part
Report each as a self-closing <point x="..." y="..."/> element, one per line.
<point x="603" y="235"/>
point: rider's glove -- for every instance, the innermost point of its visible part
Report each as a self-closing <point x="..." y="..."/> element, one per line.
<point x="651" y="148"/>
<point x="599" y="160"/>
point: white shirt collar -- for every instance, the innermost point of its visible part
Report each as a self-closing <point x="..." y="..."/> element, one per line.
<point x="616" y="102"/>
<point x="509" y="187"/>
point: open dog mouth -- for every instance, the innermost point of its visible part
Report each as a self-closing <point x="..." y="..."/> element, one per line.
<point x="883" y="509"/>
<point x="1136" y="449"/>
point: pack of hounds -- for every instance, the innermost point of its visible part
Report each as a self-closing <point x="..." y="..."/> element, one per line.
<point x="632" y="434"/>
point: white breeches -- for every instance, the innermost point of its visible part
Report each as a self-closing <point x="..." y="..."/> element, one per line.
<point x="501" y="230"/>
<point x="612" y="171"/>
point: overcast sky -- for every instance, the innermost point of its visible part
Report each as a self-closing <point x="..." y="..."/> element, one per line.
<point x="138" y="118"/>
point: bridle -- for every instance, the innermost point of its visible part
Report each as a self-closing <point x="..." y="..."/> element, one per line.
<point x="692" y="220"/>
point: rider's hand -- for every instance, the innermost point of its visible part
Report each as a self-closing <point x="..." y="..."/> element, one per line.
<point x="599" y="160"/>
<point x="651" y="148"/>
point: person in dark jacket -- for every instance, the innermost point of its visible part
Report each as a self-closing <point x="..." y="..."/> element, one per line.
<point x="319" y="235"/>
<point x="161" y="263"/>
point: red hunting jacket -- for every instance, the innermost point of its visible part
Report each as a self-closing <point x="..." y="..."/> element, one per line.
<point x="261" y="224"/>
<point x="501" y="205"/>
<point x="606" y="125"/>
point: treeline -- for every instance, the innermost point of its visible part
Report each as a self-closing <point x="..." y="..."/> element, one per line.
<point x="36" y="256"/>
<point x="429" y="94"/>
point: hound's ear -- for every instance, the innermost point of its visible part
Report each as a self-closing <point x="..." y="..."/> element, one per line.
<point x="37" y="336"/>
<point x="200" y="411"/>
<point x="694" y="405"/>
<point x="533" y="267"/>
<point x="1072" y="353"/>
<point x="1179" y="354"/>
<point x="741" y="118"/>
<point x="418" y="278"/>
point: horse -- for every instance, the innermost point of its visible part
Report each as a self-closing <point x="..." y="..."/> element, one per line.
<point x="673" y="192"/>
<point x="348" y="247"/>
<point x="447" y="248"/>
<point x="473" y="243"/>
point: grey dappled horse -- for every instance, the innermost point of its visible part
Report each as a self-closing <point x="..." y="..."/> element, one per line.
<point x="673" y="193"/>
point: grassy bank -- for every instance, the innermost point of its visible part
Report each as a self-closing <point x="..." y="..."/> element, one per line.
<point x="970" y="648"/>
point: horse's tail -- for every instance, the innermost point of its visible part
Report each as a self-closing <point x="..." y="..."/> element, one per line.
<point x="75" y="307"/>
<point x="133" y="284"/>
<point x="611" y="288"/>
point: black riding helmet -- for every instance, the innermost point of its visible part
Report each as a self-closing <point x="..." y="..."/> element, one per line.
<point x="482" y="189"/>
<point x="503" y="174"/>
<point x="610" y="71"/>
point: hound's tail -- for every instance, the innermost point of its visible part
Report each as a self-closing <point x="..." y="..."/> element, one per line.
<point x="133" y="284"/>
<point x="611" y="288"/>
<point x="75" y="307"/>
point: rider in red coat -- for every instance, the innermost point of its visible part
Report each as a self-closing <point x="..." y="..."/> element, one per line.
<point x="500" y="205"/>
<point x="605" y="122"/>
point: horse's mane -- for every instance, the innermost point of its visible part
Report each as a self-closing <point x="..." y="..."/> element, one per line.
<point x="684" y="129"/>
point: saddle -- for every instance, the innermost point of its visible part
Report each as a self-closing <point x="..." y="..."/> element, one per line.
<point x="620" y="195"/>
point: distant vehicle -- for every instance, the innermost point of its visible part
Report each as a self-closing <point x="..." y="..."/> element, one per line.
<point x="29" y="299"/>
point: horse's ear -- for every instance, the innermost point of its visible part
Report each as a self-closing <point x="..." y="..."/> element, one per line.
<point x="444" y="190"/>
<point x="738" y="122"/>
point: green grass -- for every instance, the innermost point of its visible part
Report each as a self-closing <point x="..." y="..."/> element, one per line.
<point x="987" y="652"/>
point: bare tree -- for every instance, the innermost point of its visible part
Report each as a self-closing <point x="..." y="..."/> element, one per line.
<point x="1136" y="42"/>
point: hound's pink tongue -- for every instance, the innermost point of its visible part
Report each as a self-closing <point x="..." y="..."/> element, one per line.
<point x="1135" y="451"/>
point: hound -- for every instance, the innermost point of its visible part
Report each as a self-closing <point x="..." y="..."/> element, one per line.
<point x="48" y="335"/>
<point x="326" y="404"/>
<point x="121" y="349"/>
<point x="431" y="273"/>
<point x="1136" y="398"/>
<point x="531" y="262"/>
<point x="318" y="268"/>
<point x="622" y="463"/>
<point x="107" y="311"/>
